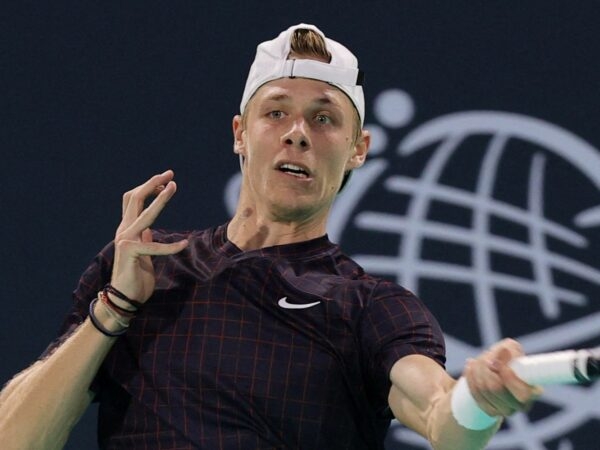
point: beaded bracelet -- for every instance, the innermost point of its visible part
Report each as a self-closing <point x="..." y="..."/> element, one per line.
<point x="98" y="325"/>
<point x="114" y="291"/>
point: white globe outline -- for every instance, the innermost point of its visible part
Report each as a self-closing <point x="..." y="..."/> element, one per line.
<point x="450" y="130"/>
<point x="584" y="157"/>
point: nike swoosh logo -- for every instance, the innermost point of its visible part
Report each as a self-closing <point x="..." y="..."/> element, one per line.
<point x="286" y="305"/>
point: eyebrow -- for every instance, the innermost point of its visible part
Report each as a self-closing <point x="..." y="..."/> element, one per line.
<point x="319" y="101"/>
<point x="278" y="97"/>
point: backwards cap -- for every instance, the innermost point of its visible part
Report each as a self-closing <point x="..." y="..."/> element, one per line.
<point x="271" y="63"/>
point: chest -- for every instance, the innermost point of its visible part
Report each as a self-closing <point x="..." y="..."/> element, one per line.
<point x="250" y="325"/>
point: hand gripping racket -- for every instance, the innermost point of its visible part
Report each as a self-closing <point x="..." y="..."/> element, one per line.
<point x="568" y="366"/>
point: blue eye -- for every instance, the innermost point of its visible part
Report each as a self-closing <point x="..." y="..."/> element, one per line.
<point x="276" y="114"/>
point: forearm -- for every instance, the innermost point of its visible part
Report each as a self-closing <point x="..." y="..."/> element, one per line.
<point x="445" y="433"/>
<point x="421" y="398"/>
<point x="40" y="406"/>
<point x="436" y="422"/>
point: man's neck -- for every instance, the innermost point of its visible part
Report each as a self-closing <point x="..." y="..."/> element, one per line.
<point x="248" y="231"/>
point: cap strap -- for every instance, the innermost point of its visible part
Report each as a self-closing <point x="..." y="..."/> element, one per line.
<point x="309" y="68"/>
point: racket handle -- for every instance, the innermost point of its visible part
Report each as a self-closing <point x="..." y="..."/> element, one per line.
<point x="563" y="367"/>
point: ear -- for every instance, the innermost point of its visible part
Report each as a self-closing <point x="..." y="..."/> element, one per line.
<point x="239" y="144"/>
<point x="361" y="149"/>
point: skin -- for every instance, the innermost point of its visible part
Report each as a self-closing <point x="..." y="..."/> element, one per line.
<point x="421" y="393"/>
<point x="309" y="124"/>
<point x="304" y="122"/>
<point x="38" y="409"/>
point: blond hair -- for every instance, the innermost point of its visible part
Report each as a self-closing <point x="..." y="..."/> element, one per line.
<point x="309" y="43"/>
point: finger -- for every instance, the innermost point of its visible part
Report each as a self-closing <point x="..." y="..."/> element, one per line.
<point x="498" y="386"/>
<point x="127" y="197"/>
<point x="487" y="388"/>
<point x="133" y="229"/>
<point x="133" y="201"/>
<point x="474" y="372"/>
<point x="501" y="401"/>
<point x="523" y="392"/>
<point x="136" y="249"/>
<point x="158" y="189"/>
<point x="136" y="198"/>
<point x="147" y="217"/>
<point x="514" y="348"/>
<point x="147" y="235"/>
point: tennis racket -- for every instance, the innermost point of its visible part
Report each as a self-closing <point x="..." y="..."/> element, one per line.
<point x="562" y="367"/>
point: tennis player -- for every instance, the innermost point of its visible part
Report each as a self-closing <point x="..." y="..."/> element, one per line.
<point x="259" y="333"/>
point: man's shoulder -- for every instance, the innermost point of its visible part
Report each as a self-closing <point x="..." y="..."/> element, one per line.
<point x="379" y="286"/>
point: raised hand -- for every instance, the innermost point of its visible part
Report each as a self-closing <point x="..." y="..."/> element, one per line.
<point x="133" y="272"/>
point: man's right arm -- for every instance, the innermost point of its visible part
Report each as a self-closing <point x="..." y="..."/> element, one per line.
<point x="40" y="406"/>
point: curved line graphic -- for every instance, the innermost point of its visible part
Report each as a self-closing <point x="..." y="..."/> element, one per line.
<point x="559" y="140"/>
<point x="588" y="218"/>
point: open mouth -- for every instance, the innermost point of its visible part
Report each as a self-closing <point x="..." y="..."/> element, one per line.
<point x="294" y="170"/>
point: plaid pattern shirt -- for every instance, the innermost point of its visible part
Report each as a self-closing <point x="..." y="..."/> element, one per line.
<point x="286" y="347"/>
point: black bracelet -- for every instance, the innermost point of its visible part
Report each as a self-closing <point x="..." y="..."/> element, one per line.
<point x="104" y="298"/>
<point x="99" y="326"/>
<point x="114" y="291"/>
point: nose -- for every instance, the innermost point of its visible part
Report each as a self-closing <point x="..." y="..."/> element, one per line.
<point x="296" y="136"/>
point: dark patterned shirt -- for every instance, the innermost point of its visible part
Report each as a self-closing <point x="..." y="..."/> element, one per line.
<point x="285" y="347"/>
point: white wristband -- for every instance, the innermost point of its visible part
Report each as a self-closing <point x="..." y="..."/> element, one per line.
<point x="465" y="409"/>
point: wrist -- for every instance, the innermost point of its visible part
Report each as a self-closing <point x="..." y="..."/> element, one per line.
<point x="116" y="304"/>
<point x="132" y="305"/>
<point x="466" y="411"/>
<point x="105" y="320"/>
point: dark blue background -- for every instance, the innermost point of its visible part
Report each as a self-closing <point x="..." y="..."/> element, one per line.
<point x="97" y="96"/>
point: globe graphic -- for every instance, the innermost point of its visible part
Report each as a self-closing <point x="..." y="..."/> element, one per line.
<point x="492" y="219"/>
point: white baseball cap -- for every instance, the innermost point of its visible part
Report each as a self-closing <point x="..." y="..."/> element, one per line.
<point x="271" y="63"/>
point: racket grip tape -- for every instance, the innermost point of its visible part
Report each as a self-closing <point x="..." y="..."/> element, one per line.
<point x="562" y="367"/>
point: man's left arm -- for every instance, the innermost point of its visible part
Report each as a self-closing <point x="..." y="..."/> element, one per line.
<point x="421" y="397"/>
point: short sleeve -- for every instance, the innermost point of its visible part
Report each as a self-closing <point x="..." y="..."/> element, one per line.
<point x="394" y="324"/>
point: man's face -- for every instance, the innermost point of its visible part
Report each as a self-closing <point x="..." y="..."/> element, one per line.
<point x="297" y="140"/>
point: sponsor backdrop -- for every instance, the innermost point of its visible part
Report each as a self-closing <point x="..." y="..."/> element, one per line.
<point x="481" y="193"/>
